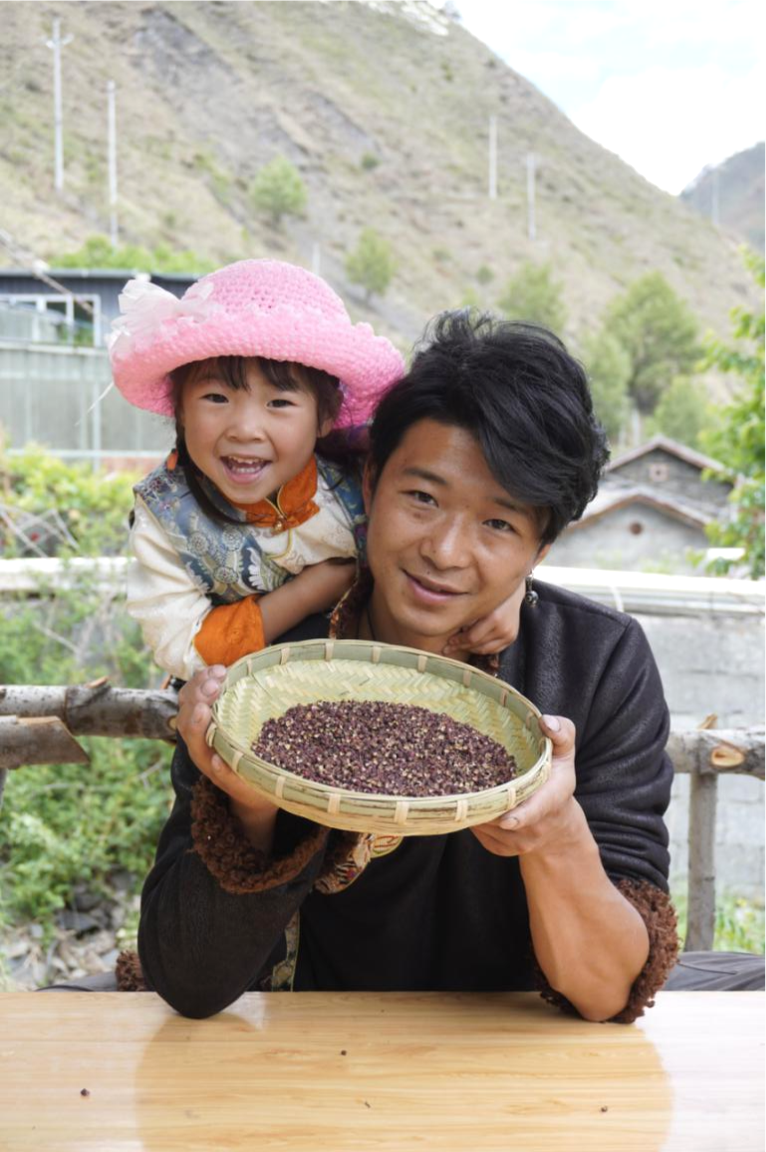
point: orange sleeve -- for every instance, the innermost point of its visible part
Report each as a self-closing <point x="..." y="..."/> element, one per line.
<point x="231" y="631"/>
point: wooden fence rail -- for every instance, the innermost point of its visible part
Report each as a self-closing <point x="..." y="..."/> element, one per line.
<point x="41" y="725"/>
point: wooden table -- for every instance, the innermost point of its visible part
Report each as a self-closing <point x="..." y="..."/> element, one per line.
<point x="81" y="1072"/>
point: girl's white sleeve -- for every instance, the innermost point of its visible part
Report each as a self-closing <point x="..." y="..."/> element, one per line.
<point x="163" y="597"/>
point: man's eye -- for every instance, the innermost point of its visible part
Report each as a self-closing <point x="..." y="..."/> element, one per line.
<point x="500" y="525"/>
<point x="420" y="497"/>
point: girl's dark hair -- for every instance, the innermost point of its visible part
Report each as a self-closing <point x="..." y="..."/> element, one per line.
<point x="524" y="398"/>
<point x="284" y="375"/>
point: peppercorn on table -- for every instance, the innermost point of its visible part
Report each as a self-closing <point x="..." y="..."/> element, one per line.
<point x="357" y="1071"/>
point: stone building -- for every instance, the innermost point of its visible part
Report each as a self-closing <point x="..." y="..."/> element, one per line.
<point x="651" y="512"/>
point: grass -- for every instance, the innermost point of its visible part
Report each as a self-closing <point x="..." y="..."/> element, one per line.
<point x="739" y="923"/>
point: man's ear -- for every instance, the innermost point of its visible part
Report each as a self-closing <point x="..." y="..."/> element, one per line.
<point x="544" y="550"/>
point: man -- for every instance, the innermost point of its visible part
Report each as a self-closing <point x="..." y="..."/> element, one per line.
<point x="479" y="457"/>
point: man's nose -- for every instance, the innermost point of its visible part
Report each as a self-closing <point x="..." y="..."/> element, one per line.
<point x="447" y="544"/>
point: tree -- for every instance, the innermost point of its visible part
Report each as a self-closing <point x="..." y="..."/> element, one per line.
<point x="683" y="413"/>
<point x="660" y="335"/>
<point x="371" y="264"/>
<point x="278" y="190"/>
<point x="533" y="295"/>
<point x="98" y="252"/>
<point x="738" y="439"/>
<point x="608" y="367"/>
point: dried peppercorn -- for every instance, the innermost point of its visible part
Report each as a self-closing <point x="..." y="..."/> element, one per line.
<point x="393" y="749"/>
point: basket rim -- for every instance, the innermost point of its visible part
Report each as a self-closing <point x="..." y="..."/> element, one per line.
<point x="320" y="790"/>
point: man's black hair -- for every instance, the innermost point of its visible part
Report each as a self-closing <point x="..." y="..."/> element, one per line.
<point x="519" y="392"/>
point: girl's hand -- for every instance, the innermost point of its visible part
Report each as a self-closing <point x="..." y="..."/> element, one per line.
<point x="494" y="632"/>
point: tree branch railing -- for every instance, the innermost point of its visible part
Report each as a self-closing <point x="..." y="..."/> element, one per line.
<point x="41" y="725"/>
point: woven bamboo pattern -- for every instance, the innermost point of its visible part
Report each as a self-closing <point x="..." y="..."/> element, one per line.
<point x="264" y="685"/>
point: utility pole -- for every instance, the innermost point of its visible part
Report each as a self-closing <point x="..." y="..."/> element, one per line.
<point x="531" y="225"/>
<point x="715" y="214"/>
<point x="112" y="119"/>
<point x="56" y="44"/>
<point x="493" y="157"/>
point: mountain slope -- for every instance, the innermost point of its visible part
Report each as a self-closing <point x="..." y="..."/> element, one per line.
<point x="209" y="92"/>
<point x="732" y="193"/>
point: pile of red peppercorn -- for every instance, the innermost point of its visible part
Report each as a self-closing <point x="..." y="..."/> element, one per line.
<point x="390" y="749"/>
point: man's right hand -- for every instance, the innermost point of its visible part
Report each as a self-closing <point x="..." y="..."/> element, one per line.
<point x="256" y="815"/>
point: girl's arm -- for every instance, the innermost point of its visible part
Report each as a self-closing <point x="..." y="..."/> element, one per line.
<point x="315" y="589"/>
<point x="183" y="630"/>
<point x="234" y="630"/>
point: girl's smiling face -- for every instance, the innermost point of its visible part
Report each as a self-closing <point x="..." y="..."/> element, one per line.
<point x="248" y="441"/>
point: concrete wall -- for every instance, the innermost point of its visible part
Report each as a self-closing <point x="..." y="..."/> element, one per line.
<point x="715" y="664"/>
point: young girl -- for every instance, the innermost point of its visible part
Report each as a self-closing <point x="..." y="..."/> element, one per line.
<point x="243" y="531"/>
<point x="256" y="362"/>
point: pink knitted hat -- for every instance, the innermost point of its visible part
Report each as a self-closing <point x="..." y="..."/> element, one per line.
<point x="252" y="308"/>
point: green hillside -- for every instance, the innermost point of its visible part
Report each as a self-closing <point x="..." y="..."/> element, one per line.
<point x="384" y="109"/>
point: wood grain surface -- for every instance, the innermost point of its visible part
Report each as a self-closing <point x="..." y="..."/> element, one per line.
<point x="81" y="1072"/>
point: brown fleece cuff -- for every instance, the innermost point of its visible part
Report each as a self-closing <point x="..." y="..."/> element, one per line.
<point x="230" y="857"/>
<point x="660" y="918"/>
<point x="130" y="977"/>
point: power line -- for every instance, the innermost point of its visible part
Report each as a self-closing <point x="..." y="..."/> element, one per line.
<point x="24" y="258"/>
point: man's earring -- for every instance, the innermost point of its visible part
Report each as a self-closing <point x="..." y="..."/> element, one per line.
<point x="530" y="596"/>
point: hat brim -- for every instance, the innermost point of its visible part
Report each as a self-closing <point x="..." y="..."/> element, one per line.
<point x="365" y="364"/>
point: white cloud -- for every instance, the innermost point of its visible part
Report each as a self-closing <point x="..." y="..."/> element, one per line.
<point x="669" y="85"/>
<point x="671" y="123"/>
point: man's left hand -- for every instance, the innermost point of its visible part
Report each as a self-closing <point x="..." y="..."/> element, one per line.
<point x="551" y="818"/>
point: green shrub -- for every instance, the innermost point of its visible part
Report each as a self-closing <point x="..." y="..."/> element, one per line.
<point x="371" y="264"/>
<point x="98" y="252"/>
<point x="278" y="190"/>
<point x="64" y="825"/>
<point x="94" y="506"/>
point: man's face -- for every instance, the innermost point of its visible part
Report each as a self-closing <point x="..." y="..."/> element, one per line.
<point x="446" y="543"/>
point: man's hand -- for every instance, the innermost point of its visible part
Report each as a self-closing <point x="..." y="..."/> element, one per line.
<point x="551" y="819"/>
<point x="588" y="940"/>
<point x="493" y="633"/>
<point x="256" y="815"/>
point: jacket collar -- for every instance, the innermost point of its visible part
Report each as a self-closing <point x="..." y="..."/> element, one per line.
<point x="294" y="503"/>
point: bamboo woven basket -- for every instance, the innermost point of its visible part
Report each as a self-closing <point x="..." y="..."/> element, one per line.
<point x="264" y="685"/>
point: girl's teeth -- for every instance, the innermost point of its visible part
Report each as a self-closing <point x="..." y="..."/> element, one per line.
<point x="245" y="465"/>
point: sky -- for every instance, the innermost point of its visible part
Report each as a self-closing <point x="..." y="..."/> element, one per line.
<point x="671" y="86"/>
